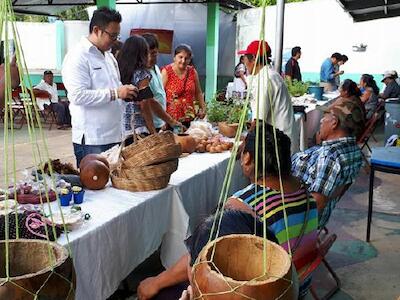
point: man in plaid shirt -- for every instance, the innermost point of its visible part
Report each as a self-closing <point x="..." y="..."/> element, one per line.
<point x="337" y="161"/>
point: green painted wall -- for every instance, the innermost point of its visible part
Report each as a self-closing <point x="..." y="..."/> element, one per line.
<point x="107" y="3"/>
<point x="212" y="49"/>
<point x="314" y="77"/>
<point x="60" y="43"/>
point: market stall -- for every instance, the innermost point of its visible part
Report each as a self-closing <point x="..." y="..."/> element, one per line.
<point x="125" y="228"/>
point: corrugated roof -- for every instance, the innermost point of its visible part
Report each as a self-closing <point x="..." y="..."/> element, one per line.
<point x="365" y="10"/>
<point x="55" y="7"/>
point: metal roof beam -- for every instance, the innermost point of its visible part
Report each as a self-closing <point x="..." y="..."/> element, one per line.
<point x="376" y="15"/>
<point x="54" y="4"/>
<point x="362" y="4"/>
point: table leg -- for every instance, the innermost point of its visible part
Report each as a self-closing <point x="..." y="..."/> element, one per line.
<point x="370" y="201"/>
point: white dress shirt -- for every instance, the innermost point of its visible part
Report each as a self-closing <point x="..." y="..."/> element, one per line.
<point x="88" y="76"/>
<point x="51" y="89"/>
<point x="269" y="82"/>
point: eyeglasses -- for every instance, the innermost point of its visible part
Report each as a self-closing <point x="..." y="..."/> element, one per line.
<point x="113" y="36"/>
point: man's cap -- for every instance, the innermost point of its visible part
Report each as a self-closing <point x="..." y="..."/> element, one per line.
<point x="253" y="47"/>
<point x="48" y="72"/>
<point x="349" y="113"/>
<point x="389" y="74"/>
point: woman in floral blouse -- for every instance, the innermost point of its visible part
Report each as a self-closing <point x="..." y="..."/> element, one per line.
<point x="182" y="86"/>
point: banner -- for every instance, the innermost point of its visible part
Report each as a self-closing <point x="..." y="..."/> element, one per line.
<point x="164" y="38"/>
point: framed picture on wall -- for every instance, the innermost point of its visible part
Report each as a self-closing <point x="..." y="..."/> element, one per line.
<point x="164" y="36"/>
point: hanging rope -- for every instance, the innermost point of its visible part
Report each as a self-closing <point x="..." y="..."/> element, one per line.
<point x="262" y="82"/>
<point x="37" y="141"/>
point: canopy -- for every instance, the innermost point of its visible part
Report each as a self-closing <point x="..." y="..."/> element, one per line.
<point x="54" y="7"/>
<point x="365" y="10"/>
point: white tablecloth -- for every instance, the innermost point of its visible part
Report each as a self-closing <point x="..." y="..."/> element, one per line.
<point x="306" y="127"/>
<point x="126" y="228"/>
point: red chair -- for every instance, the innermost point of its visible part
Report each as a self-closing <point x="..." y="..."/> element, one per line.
<point x="18" y="108"/>
<point x="325" y="242"/>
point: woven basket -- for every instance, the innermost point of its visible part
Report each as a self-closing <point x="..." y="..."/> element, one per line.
<point x="149" y="172"/>
<point x="134" y="185"/>
<point x="154" y="156"/>
<point x="146" y="144"/>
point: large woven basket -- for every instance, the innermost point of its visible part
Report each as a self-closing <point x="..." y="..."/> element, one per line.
<point x="162" y="153"/>
<point x="135" y="185"/>
<point x="148" y="143"/>
<point x="149" y="172"/>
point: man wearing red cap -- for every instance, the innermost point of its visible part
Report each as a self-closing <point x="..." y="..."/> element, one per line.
<point x="274" y="104"/>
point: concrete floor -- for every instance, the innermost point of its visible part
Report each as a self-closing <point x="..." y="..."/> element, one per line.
<point x="367" y="270"/>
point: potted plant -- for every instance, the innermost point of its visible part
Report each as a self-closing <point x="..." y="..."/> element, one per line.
<point x="226" y="114"/>
<point x="296" y="88"/>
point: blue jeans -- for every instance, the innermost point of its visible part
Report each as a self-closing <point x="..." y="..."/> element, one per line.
<point x="81" y="151"/>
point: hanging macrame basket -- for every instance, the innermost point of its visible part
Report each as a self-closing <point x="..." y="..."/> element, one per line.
<point x="238" y="270"/>
<point x="31" y="269"/>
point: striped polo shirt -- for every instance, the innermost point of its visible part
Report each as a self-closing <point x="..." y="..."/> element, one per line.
<point x="302" y="217"/>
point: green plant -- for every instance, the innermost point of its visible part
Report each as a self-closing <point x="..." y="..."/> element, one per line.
<point x="228" y="111"/>
<point x="216" y="111"/>
<point x="296" y="88"/>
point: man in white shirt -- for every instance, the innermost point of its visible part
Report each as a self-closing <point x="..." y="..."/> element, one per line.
<point x="274" y="105"/>
<point x="47" y="98"/>
<point x="91" y="77"/>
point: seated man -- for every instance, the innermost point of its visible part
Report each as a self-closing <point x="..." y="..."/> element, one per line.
<point x="298" y="236"/>
<point x="47" y="97"/>
<point x="337" y="161"/>
<point x="392" y="89"/>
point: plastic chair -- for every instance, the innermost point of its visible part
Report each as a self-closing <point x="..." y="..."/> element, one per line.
<point x="324" y="243"/>
<point x="370" y="127"/>
<point x="18" y="108"/>
<point x="383" y="159"/>
<point x="48" y="114"/>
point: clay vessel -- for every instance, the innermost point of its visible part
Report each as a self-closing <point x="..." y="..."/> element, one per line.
<point x="239" y="259"/>
<point x="228" y="130"/>
<point x="30" y="265"/>
<point x="188" y="143"/>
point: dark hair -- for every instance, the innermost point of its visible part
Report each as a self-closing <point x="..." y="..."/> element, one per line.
<point x="183" y="48"/>
<point x="133" y="56"/>
<point x="344" y="58"/>
<point x="116" y="46"/>
<point x="370" y="82"/>
<point x="262" y="59"/>
<point x="351" y="88"/>
<point x="47" y="72"/>
<point x="232" y="222"/>
<point x="151" y="40"/>
<point x="271" y="162"/>
<point x="337" y="55"/>
<point x="296" y="50"/>
<point x="104" y="16"/>
<point x="237" y="66"/>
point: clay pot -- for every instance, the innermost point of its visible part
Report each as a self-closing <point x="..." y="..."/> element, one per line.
<point x="91" y="157"/>
<point x="188" y="143"/>
<point x="239" y="259"/>
<point x="30" y="267"/>
<point x="228" y="130"/>
<point x="94" y="175"/>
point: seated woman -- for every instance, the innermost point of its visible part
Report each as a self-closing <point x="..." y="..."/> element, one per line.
<point x="349" y="91"/>
<point x="263" y="199"/>
<point x="132" y="62"/>
<point x="370" y="94"/>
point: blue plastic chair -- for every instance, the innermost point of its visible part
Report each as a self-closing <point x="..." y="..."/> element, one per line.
<point x="383" y="159"/>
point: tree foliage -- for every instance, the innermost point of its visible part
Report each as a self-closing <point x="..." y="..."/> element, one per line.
<point x="77" y="12"/>
<point x="268" y="2"/>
